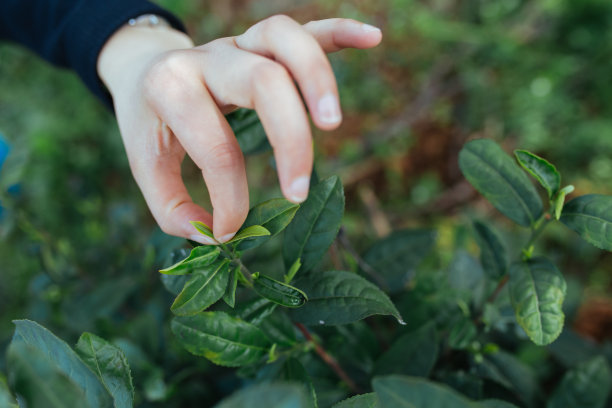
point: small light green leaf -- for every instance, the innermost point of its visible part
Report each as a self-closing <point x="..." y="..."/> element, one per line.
<point x="268" y="395"/>
<point x="110" y="365"/>
<point x="492" y="252"/>
<point x="412" y="354"/>
<point x="369" y="400"/>
<point x="279" y="292"/>
<point x="540" y="169"/>
<point x="205" y="287"/>
<point x="253" y="231"/>
<point x="203" y="228"/>
<point x="340" y="297"/>
<point x="60" y="360"/>
<point x="293" y="371"/>
<point x="274" y="215"/>
<point x="255" y="310"/>
<point x="293" y="270"/>
<point x="537" y="290"/>
<point x="591" y="217"/>
<point x="559" y="200"/>
<point x="398" y="391"/>
<point x="396" y="257"/>
<point x="315" y="224"/>
<point x="6" y="398"/>
<point x="497" y="177"/>
<point x="229" y="296"/>
<point x="220" y="338"/>
<point x="199" y="258"/>
<point x="586" y="386"/>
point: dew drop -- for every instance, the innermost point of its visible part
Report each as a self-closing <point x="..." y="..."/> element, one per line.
<point x="402" y="322"/>
<point x="322" y="322"/>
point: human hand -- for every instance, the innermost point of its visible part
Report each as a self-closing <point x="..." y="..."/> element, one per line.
<point x="170" y="99"/>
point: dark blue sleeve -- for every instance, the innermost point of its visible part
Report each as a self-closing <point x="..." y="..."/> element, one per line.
<point x="71" y="33"/>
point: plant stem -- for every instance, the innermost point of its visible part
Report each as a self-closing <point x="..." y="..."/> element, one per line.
<point x="498" y="289"/>
<point x="328" y="359"/>
<point x="537" y="230"/>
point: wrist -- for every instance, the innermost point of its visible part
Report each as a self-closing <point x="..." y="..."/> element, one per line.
<point x="131" y="48"/>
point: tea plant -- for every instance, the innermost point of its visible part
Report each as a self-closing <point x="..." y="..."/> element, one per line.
<point x="434" y="335"/>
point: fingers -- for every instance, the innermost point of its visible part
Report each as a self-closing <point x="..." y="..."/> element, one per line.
<point x="287" y="42"/>
<point x="335" y="34"/>
<point x="178" y="96"/>
<point x="237" y="77"/>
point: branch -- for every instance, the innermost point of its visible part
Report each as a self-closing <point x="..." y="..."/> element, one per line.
<point x="328" y="359"/>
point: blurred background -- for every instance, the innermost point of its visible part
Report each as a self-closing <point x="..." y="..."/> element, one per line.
<point x="79" y="250"/>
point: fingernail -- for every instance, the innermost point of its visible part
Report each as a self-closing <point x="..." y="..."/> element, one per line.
<point x="298" y="190"/>
<point x="202" y="239"/>
<point x="225" y="238"/>
<point x="329" y="109"/>
<point x="369" y="28"/>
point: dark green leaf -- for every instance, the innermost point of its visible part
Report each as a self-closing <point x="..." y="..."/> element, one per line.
<point x="205" y="287"/>
<point x="40" y="382"/>
<point x="268" y="395"/>
<point x="508" y="371"/>
<point x="279" y="292"/>
<point x="30" y="337"/>
<point x="546" y="174"/>
<point x="199" y="258"/>
<point x="274" y="215"/>
<point x="293" y="371"/>
<point x="110" y="365"/>
<point x="229" y="296"/>
<point x="537" y="290"/>
<point x="396" y="257"/>
<point x="253" y="231"/>
<point x="586" y="386"/>
<point x="249" y="132"/>
<point x="174" y="283"/>
<point x="340" y="297"/>
<point x="255" y="310"/>
<point x="412" y="354"/>
<point x="497" y="177"/>
<point x="493" y="403"/>
<point x="279" y="328"/>
<point x="222" y="339"/>
<point x="591" y="217"/>
<point x="399" y="391"/>
<point x="315" y="224"/>
<point x="6" y="399"/>
<point x="359" y="401"/>
<point x="492" y="252"/>
<point x="462" y="334"/>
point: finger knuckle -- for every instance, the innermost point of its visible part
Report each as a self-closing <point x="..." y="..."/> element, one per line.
<point x="222" y="157"/>
<point x="278" y="20"/>
<point x="166" y="72"/>
<point x="269" y="72"/>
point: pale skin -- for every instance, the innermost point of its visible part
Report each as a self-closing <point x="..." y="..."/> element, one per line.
<point x="170" y="99"/>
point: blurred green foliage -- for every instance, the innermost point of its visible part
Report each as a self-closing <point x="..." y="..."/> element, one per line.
<point x="79" y="250"/>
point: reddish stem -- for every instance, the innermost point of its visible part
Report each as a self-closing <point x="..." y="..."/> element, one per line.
<point x="328" y="359"/>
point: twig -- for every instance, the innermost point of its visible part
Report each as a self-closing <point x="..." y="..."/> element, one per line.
<point x="379" y="220"/>
<point x="498" y="289"/>
<point x="328" y="359"/>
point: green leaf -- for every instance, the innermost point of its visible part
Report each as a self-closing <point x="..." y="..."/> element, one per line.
<point x="222" y="339"/>
<point x="6" y="398"/>
<point x="462" y="334"/>
<point x="229" y="296"/>
<point x="494" y="403"/>
<point x="293" y="371"/>
<point x="492" y="253"/>
<point x="253" y="231"/>
<point x="399" y="391"/>
<point x="274" y="215"/>
<point x="369" y="400"/>
<point x="586" y="386"/>
<point x="315" y="224"/>
<point x="38" y="351"/>
<point x="255" y="310"/>
<point x="293" y="270"/>
<point x="203" y="228"/>
<point x="279" y="292"/>
<point x="110" y="365"/>
<point x="537" y="290"/>
<point x="39" y="382"/>
<point x="412" y="354"/>
<point x="497" y="177"/>
<point x="279" y="328"/>
<point x="268" y="395"/>
<point x="205" y="287"/>
<point x="559" y="200"/>
<point x="199" y="258"/>
<point x="340" y="297"/>
<point x="249" y="131"/>
<point x="542" y="170"/>
<point x="591" y="217"/>
<point x="396" y="257"/>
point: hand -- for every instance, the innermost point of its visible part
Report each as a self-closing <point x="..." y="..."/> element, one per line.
<point x="170" y="99"/>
